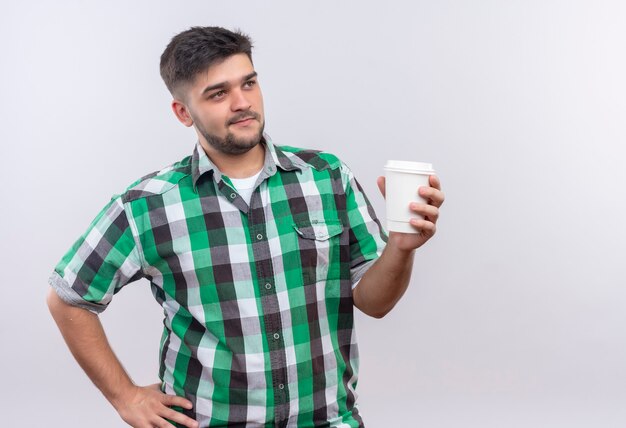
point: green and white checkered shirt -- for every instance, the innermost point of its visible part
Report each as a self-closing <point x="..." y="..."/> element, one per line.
<point x="257" y="298"/>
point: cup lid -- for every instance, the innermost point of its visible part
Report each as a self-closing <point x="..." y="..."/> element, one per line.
<point x="409" y="166"/>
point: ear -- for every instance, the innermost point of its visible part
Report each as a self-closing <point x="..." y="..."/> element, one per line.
<point x="182" y="113"/>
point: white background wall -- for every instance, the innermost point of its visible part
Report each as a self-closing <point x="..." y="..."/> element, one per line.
<point x="516" y="312"/>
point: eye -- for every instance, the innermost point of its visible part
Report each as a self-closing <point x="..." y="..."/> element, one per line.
<point x="250" y="83"/>
<point x="217" y="95"/>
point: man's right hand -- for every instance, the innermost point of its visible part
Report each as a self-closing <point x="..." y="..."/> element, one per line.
<point x="148" y="407"/>
<point x="141" y="407"/>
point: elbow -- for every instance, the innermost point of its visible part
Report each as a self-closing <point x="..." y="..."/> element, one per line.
<point x="379" y="315"/>
<point x="376" y="310"/>
<point x="382" y="310"/>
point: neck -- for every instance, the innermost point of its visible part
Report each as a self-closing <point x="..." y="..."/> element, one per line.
<point x="237" y="166"/>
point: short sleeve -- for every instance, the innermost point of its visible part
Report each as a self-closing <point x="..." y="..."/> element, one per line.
<point x="367" y="236"/>
<point x="103" y="260"/>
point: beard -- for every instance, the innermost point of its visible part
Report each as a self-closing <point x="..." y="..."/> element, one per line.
<point x="230" y="144"/>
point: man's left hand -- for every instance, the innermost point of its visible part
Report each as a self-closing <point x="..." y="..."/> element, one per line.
<point x="430" y="210"/>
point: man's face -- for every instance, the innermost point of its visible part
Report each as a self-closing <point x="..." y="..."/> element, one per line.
<point x="226" y="106"/>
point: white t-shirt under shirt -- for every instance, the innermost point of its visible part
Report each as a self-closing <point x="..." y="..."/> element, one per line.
<point x="245" y="187"/>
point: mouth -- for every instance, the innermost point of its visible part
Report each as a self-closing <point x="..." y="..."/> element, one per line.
<point x="244" y="119"/>
<point x="244" y="122"/>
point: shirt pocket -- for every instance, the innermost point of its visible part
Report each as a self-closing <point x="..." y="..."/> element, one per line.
<point x="319" y="247"/>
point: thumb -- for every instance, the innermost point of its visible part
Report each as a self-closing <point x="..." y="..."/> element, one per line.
<point x="381" y="184"/>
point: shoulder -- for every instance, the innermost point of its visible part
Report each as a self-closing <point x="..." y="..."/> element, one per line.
<point x="317" y="159"/>
<point x="158" y="182"/>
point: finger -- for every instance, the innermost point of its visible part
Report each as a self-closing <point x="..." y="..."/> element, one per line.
<point x="160" y="423"/>
<point x="426" y="227"/>
<point x="178" y="417"/>
<point x="174" y="400"/>
<point x="433" y="180"/>
<point x="434" y="196"/>
<point x="430" y="212"/>
<point x="381" y="185"/>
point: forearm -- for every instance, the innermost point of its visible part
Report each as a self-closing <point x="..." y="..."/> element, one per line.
<point x="87" y="341"/>
<point x="382" y="286"/>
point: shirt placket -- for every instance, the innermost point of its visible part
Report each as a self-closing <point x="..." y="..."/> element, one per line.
<point x="269" y="300"/>
<point x="271" y="308"/>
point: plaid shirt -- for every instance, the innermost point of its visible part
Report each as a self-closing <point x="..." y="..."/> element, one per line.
<point x="257" y="298"/>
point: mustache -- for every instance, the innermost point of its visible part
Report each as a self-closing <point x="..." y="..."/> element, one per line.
<point x="243" y="116"/>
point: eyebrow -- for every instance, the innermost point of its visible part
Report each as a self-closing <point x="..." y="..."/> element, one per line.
<point x="226" y="84"/>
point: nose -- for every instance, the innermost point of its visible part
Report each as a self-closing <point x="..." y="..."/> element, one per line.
<point x="240" y="101"/>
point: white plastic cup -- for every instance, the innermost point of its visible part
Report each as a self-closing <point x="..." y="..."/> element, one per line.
<point x="402" y="181"/>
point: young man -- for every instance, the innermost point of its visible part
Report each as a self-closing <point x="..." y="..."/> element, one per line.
<point x="253" y="250"/>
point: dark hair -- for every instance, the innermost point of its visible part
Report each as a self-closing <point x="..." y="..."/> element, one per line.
<point x="195" y="50"/>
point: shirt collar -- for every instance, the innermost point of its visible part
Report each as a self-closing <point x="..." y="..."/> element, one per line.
<point x="274" y="157"/>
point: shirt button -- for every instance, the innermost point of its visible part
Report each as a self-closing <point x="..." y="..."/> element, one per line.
<point x="268" y="285"/>
<point x="281" y="386"/>
<point x="233" y="195"/>
<point x="276" y="336"/>
<point x="259" y="237"/>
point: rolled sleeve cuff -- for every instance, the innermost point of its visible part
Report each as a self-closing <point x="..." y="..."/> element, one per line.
<point x="71" y="297"/>
<point x="357" y="272"/>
